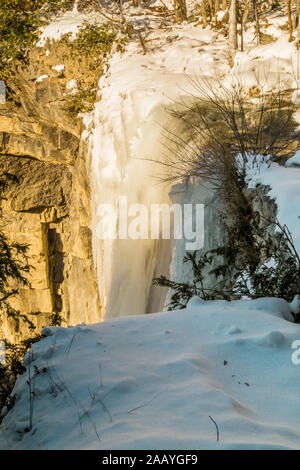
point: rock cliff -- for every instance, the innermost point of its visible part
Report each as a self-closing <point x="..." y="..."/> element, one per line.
<point x="48" y="208"/>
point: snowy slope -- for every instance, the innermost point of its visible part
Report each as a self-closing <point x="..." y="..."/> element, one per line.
<point x="152" y="381"/>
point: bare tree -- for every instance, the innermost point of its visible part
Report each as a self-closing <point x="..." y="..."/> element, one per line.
<point x="203" y="12"/>
<point x="240" y="21"/>
<point x="232" y="30"/>
<point x="257" y="25"/>
<point x="242" y="15"/>
<point x="211" y="10"/>
<point x="246" y="12"/>
<point x="216" y="8"/>
<point x="220" y="122"/>
<point x="180" y="10"/>
<point x="288" y="5"/>
<point x="298" y="17"/>
<point x="111" y="13"/>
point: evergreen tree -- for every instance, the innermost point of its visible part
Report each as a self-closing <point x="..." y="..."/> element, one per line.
<point x="14" y="263"/>
<point x="14" y="266"/>
<point x="257" y="265"/>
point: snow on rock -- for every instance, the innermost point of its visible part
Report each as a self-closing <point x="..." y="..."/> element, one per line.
<point x="274" y="306"/>
<point x="66" y="23"/>
<point x="59" y="68"/>
<point x="194" y="302"/>
<point x="272" y="340"/>
<point x="41" y="78"/>
<point x="152" y="381"/>
<point x="234" y="330"/>
<point x="284" y="189"/>
<point x="295" y="304"/>
<point x="72" y="86"/>
<point x="48" y="331"/>
<point x="294" y="160"/>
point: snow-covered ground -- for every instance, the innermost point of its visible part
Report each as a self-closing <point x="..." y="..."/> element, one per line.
<point x="152" y="381"/>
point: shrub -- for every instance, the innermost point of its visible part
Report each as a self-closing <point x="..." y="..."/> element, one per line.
<point x="11" y="370"/>
<point x="94" y="42"/>
<point x="221" y="122"/>
<point x="19" y="23"/>
<point x="93" y="39"/>
<point x="14" y="268"/>
<point x="224" y="133"/>
<point x="269" y="267"/>
<point x="82" y="101"/>
<point x="14" y="263"/>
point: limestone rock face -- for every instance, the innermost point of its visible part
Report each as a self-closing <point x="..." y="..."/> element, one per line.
<point x="48" y="207"/>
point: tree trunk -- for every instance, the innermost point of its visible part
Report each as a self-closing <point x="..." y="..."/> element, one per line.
<point x="211" y="10"/>
<point x="180" y="10"/>
<point x="298" y="18"/>
<point x="216" y="9"/>
<point x="257" y="25"/>
<point x="232" y="30"/>
<point x="246" y="12"/>
<point x="203" y="11"/>
<point x="240" y="18"/>
<point x="288" y="5"/>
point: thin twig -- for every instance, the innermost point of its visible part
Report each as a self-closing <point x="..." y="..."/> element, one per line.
<point x="105" y="409"/>
<point x="169" y="11"/>
<point x="30" y="393"/>
<point x="216" y="428"/>
<point x="94" y="397"/>
<point x="147" y="402"/>
<point x="100" y="372"/>
<point x="77" y="404"/>
<point x="70" y="345"/>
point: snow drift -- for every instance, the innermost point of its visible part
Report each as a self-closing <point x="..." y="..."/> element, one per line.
<point x="152" y="381"/>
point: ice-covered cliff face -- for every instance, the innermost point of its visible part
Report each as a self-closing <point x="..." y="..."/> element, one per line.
<point x="119" y="168"/>
<point x="132" y="124"/>
<point x="127" y="130"/>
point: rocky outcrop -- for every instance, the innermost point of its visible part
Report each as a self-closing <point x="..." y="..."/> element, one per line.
<point x="48" y="207"/>
<point x="214" y="234"/>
